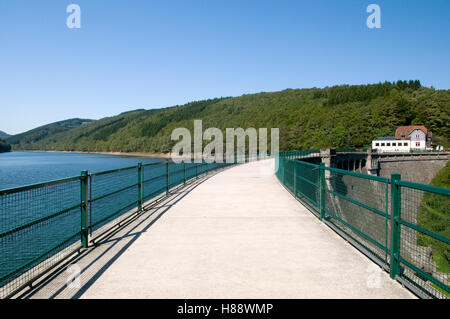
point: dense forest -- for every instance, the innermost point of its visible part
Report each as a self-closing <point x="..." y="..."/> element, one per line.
<point x="4" y="147"/>
<point x="42" y="133"/>
<point x="340" y="116"/>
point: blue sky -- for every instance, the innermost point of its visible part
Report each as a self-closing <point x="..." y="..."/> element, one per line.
<point x="150" y="54"/>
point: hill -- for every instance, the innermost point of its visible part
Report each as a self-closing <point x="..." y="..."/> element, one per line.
<point x="4" y="135"/>
<point x="442" y="179"/>
<point x="44" y="133"/>
<point x="340" y="116"/>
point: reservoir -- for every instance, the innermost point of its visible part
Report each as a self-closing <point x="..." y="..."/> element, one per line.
<point x="24" y="168"/>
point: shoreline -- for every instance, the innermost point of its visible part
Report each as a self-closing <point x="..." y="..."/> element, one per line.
<point x="125" y="154"/>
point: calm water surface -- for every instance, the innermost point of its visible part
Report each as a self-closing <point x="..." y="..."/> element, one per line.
<point x="24" y="168"/>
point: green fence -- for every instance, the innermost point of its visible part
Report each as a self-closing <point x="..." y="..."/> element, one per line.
<point x="404" y="227"/>
<point x="43" y="225"/>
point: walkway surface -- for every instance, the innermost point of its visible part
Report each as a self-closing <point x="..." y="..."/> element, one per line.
<point x="237" y="234"/>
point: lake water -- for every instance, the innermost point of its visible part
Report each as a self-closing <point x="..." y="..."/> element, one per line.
<point x="24" y="168"/>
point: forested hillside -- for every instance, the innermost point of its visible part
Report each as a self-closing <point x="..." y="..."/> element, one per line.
<point x="43" y="134"/>
<point x="341" y="116"/>
<point x="4" y="147"/>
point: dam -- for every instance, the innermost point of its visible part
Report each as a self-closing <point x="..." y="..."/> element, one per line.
<point x="231" y="231"/>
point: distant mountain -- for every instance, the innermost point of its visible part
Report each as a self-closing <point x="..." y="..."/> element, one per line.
<point x="30" y="138"/>
<point x="341" y="116"/>
<point x="3" y="135"/>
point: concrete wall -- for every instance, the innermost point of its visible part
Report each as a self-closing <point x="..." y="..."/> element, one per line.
<point x="418" y="171"/>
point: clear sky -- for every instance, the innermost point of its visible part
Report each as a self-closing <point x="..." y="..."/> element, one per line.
<point x="132" y="54"/>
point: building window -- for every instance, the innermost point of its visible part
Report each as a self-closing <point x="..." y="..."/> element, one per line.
<point x="382" y="144"/>
<point x="388" y="144"/>
<point x="405" y="144"/>
<point x="377" y="144"/>
<point x="417" y="143"/>
<point x="394" y="144"/>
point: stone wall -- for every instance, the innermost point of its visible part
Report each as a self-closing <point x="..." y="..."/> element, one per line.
<point x="418" y="171"/>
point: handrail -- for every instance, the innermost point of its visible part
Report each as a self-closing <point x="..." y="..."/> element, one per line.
<point x="403" y="231"/>
<point x="423" y="187"/>
<point x="114" y="171"/>
<point x="37" y="185"/>
<point x="359" y="175"/>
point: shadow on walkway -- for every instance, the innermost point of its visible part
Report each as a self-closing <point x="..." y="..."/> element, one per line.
<point x="108" y="247"/>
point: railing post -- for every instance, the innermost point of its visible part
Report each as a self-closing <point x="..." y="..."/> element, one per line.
<point x="184" y="173"/>
<point x="395" y="225"/>
<point x="295" y="179"/>
<point x="139" y="186"/>
<point x="84" y="209"/>
<point x="168" y="177"/>
<point x="322" y="190"/>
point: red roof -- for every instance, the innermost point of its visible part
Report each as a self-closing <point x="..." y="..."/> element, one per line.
<point x="406" y="130"/>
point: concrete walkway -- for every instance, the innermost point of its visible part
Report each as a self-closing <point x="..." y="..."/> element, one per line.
<point x="239" y="234"/>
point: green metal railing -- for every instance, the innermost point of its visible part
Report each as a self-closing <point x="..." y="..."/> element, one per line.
<point x="402" y="226"/>
<point x="43" y="225"/>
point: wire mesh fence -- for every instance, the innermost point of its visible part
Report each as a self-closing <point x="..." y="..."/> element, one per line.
<point x="176" y="174"/>
<point x="360" y="207"/>
<point x="307" y="184"/>
<point x="154" y="180"/>
<point x="403" y="226"/>
<point x="301" y="179"/>
<point x="425" y="233"/>
<point x="40" y="224"/>
<point x="111" y="195"/>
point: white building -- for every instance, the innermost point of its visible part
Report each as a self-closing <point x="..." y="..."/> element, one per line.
<point x="406" y="139"/>
<point x="418" y="140"/>
<point x="419" y="136"/>
<point x="390" y="144"/>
